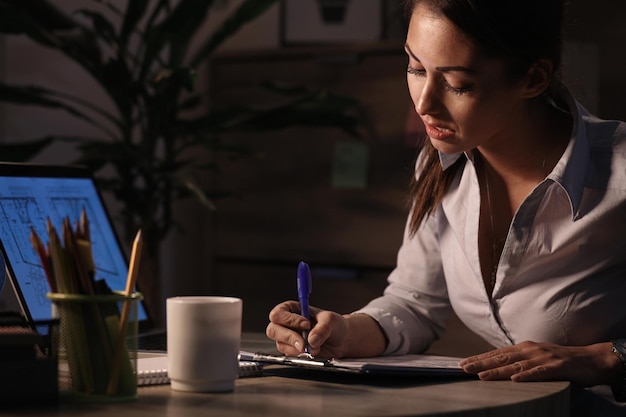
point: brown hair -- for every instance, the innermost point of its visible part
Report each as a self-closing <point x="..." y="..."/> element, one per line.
<point x="427" y="190"/>
<point x="519" y="32"/>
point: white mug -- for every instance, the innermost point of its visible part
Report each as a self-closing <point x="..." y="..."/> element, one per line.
<point x="203" y="339"/>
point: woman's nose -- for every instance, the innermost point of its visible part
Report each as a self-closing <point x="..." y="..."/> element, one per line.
<point x="427" y="100"/>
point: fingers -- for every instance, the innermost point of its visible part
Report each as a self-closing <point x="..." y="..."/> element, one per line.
<point x="517" y="370"/>
<point x="526" y="361"/>
<point x="325" y="323"/>
<point x="288" y="341"/>
<point x="286" y="326"/>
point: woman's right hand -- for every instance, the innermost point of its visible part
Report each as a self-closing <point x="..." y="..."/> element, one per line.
<point x="328" y="331"/>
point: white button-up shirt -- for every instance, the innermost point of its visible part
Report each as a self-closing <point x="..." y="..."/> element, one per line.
<point x="562" y="274"/>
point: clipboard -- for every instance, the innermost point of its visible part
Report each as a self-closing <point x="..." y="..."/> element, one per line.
<point x="408" y="365"/>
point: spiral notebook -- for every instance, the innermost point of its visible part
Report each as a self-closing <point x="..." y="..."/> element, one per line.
<point x="152" y="370"/>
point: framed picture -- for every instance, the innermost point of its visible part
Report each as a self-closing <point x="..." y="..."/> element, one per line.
<point x="331" y="21"/>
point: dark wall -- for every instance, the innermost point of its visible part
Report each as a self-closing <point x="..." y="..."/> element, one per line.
<point x="601" y="23"/>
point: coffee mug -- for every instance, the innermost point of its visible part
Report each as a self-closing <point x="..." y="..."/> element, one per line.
<point x="203" y="339"/>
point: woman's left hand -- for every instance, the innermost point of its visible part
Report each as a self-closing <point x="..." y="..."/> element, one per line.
<point x="529" y="361"/>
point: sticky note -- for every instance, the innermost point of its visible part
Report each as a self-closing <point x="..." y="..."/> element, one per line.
<point x="350" y="162"/>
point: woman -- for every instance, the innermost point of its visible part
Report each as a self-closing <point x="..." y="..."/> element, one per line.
<point x="519" y="208"/>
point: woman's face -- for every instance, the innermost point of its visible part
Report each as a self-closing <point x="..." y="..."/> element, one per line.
<point x="464" y="98"/>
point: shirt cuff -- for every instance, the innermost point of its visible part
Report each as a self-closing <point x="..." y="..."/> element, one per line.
<point x="392" y="327"/>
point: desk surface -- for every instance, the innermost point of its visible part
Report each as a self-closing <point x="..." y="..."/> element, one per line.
<point x="296" y="392"/>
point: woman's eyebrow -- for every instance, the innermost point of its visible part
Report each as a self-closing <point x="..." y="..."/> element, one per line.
<point x="454" y="68"/>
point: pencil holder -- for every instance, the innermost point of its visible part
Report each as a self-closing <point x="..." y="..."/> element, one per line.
<point x="98" y="346"/>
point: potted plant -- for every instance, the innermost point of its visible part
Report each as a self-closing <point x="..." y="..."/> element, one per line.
<point x="142" y="59"/>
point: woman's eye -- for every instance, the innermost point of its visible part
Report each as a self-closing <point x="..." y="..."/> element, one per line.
<point x="415" y="71"/>
<point x="421" y="72"/>
<point x="457" y="90"/>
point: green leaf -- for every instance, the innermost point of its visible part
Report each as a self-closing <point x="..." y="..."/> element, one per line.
<point x="184" y="22"/>
<point x="117" y="80"/>
<point x="41" y="97"/>
<point x="20" y="16"/>
<point x="193" y="187"/>
<point x="174" y="33"/>
<point x="247" y="11"/>
<point x="49" y="26"/>
<point x="25" y="150"/>
<point x="135" y="10"/>
<point x="110" y="151"/>
<point x="316" y="109"/>
<point x="102" y="26"/>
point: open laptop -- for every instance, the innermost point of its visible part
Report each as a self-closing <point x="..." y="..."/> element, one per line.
<point x="29" y="195"/>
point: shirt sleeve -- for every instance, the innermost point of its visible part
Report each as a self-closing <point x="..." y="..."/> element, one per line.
<point x="414" y="307"/>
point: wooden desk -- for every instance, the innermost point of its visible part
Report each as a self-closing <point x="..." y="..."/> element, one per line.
<point x="286" y="392"/>
<point x="285" y="396"/>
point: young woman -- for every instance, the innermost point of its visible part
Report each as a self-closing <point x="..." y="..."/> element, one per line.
<point x="519" y="209"/>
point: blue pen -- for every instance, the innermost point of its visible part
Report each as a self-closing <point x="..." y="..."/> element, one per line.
<point x="304" y="290"/>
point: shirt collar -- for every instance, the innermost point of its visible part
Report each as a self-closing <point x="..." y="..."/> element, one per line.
<point x="448" y="159"/>
<point x="571" y="169"/>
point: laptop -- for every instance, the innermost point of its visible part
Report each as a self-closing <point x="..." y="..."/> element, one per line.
<point x="29" y="195"/>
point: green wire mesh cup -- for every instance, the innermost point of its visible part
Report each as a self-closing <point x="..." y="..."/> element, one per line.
<point x="98" y="346"/>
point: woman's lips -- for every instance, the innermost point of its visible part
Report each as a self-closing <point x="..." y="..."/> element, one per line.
<point x="439" y="133"/>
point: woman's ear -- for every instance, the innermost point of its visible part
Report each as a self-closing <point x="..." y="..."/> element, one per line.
<point x="538" y="78"/>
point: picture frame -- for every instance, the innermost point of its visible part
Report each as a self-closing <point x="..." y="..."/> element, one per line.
<point x="315" y="22"/>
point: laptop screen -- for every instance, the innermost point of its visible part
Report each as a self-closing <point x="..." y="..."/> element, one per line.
<point x="31" y="194"/>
